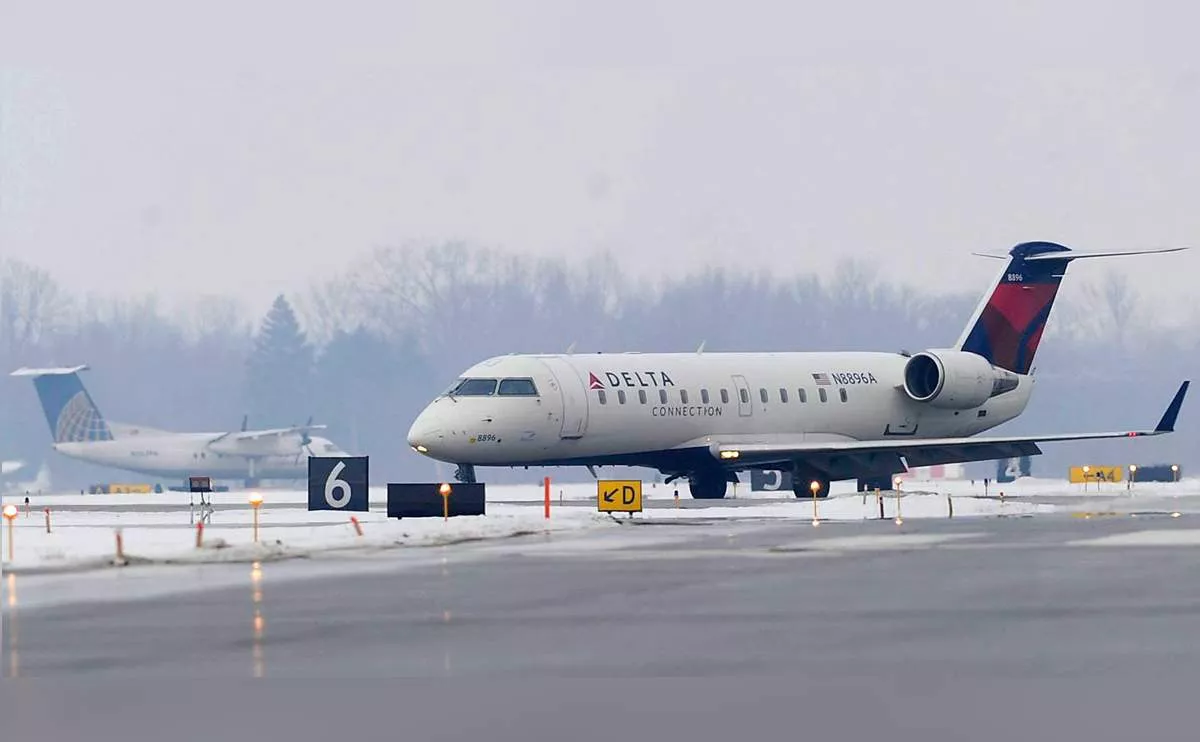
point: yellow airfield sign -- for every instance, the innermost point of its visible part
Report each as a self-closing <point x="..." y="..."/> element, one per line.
<point x="619" y="495"/>
<point x="1081" y="474"/>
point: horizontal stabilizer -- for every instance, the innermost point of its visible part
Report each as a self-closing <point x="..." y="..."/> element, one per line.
<point x="57" y="371"/>
<point x="1076" y="254"/>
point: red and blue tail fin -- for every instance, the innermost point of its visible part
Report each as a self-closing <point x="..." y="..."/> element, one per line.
<point x="1007" y="326"/>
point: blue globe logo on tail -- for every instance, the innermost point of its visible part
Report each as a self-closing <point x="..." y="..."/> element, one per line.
<point x="79" y="420"/>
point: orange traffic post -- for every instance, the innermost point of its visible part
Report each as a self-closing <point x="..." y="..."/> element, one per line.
<point x="444" y="491"/>
<point x="47" y="520"/>
<point x="814" y="485"/>
<point x="10" y="514"/>
<point x="896" y="483"/>
<point x="546" y="483"/>
<point x="199" y="533"/>
<point x="120" y="547"/>
<point x="357" y="527"/>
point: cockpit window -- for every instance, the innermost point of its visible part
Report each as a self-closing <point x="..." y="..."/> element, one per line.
<point x="474" y="388"/>
<point x="518" y="388"/>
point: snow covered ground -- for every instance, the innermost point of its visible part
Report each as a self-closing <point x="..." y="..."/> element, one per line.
<point x="84" y="534"/>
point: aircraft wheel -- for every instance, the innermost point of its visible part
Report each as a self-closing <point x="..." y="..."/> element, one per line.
<point x="707" y="486"/>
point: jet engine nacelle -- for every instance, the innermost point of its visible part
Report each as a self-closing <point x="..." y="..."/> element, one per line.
<point x="954" y="379"/>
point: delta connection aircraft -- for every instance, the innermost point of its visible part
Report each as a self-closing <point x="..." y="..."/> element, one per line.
<point x="824" y="416"/>
<point x="81" y="432"/>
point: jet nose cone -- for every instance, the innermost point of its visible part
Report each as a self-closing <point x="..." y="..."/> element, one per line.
<point x="423" y="432"/>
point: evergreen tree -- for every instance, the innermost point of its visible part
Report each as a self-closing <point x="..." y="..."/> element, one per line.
<point x="279" y="370"/>
<point x="368" y="390"/>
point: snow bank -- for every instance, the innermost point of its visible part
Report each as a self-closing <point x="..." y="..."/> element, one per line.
<point x="88" y="540"/>
<point x="159" y="529"/>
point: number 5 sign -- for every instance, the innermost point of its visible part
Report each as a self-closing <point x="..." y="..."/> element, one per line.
<point x="337" y="483"/>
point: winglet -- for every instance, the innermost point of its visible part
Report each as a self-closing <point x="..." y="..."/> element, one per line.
<point x="1167" y="423"/>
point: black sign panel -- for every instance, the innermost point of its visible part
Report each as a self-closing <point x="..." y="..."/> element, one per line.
<point x="338" y="483"/>
<point x="1157" y="473"/>
<point x="769" y="481"/>
<point x="200" y="484"/>
<point x="424" y="499"/>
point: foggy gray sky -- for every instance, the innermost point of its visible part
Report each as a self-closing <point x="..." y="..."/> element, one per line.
<point x="250" y="148"/>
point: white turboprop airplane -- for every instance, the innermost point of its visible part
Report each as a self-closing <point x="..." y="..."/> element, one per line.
<point x="81" y="432"/>
<point x="824" y="416"/>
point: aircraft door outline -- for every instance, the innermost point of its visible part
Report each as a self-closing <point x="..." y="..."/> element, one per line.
<point x="575" y="402"/>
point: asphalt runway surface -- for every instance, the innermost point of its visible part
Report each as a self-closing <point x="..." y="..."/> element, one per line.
<point x="847" y="618"/>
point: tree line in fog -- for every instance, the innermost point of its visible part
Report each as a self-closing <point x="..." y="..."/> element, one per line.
<point x="364" y="351"/>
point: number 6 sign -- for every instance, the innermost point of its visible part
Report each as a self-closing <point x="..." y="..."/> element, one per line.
<point x="337" y="483"/>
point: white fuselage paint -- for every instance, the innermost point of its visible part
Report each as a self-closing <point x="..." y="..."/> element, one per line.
<point x="566" y="422"/>
<point x="180" y="455"/>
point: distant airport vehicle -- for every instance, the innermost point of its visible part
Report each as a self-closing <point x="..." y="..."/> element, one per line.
<point x="81" y="432"/>
<point x="823" y="416"/>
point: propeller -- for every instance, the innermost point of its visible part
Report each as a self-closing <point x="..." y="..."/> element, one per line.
<point x="305" y="441"/>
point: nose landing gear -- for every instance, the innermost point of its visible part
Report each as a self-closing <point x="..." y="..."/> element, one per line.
<point x="465" y="473"/>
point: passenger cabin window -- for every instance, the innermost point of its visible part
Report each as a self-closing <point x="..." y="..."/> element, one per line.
<point x="803" y="396"/>
<point x="642" y="396"/>
<point x="744" y="395"/>
<point x="724" y="396"/>
<point x="603" y="397"/>
<point x="842" y="393"/>
<point x="662" y="396"/>
<point x="683" y="396"/>
<point x="824" y="396"/>
<point x="475" y="388"/>
<point x="703" y="396"/>
<point x="517" y="388"/>
<point x="762" y="394"/>
<point x="783" y="395"/>
<point x="621" y="396"/>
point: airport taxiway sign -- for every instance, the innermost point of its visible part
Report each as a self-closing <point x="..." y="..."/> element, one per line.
<point x="619" y="495"/>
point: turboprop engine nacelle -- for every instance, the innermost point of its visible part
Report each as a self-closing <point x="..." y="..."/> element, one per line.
<point x="954" y="379"/>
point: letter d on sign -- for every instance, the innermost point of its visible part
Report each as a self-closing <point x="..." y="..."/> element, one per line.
<point x="338" y="483"/>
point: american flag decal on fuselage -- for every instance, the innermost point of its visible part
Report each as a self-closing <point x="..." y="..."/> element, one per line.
<point x="821" y="379"/>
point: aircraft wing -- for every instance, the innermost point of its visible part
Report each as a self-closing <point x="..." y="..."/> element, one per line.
<point x="844" y="457"/>
<point x="258" y="435"/>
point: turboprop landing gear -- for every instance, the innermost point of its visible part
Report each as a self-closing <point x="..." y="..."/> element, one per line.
<point x="802" y="485"/>
<point x="708" y="485"/>
<point x="465" y="473"/>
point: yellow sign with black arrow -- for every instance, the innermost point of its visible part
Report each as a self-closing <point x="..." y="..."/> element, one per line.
<point x="619" y="495"/>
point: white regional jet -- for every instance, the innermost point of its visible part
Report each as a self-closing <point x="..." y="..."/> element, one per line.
<point x="824" y="416"/>
<point x="81" y="432"/>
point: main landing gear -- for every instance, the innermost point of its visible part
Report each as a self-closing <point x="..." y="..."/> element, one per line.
<point x="465" y="473"/>
<point x="708" y="485"/>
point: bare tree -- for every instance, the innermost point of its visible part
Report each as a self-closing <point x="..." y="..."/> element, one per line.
<point x="32" y="306"/>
